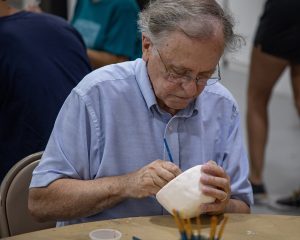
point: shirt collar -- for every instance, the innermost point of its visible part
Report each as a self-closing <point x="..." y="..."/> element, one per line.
<point x="144" y="83"/>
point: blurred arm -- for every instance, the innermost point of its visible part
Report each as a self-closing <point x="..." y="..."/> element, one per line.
<point x="70" y="198"/>
<point x="101" y="58"/>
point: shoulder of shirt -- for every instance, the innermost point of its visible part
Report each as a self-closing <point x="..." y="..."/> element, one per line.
<point x="221" y="91"/>
<point x="45" y="16"/>
<point x="125" y="5"/>
<point x="106" y="75"/>
<point x="46" y="19"/>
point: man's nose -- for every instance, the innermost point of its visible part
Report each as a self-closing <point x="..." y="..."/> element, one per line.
<point x="191" y="88"/>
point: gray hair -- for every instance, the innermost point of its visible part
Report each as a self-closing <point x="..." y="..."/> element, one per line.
<point x="195" y="18"/>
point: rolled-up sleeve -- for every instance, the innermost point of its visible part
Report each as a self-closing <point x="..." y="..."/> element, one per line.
<point x="73" y="142"/>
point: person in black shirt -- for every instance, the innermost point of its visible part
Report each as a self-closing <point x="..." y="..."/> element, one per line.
<point x="276" y="47"/>
<point x="42" y="58"/>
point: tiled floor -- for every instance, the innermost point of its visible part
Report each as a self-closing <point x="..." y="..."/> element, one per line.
<point x="282" y="167"/>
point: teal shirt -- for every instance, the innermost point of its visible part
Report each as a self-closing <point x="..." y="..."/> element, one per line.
<point x="109" y="25"/>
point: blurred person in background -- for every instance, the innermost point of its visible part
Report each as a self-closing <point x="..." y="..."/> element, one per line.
<point x="276" y="47"/>
<point x="42" y="57"/>
<point x="109" y="29"/>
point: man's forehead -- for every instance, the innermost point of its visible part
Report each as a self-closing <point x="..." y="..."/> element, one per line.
<point x="187" y="70"/>
<point x="182" y="53"/>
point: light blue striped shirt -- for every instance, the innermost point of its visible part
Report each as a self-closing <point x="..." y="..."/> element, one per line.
<point x="111" y="125"/>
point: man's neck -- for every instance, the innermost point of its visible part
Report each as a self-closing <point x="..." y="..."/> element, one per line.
<point x="6" y="10"/>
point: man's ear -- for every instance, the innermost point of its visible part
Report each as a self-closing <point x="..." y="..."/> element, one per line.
<point x="146" y="47"/>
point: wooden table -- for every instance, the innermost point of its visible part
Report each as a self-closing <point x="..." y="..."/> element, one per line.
<point x="239" y="227"/>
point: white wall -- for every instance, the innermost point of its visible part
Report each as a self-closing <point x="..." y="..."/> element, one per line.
<point x="71" y="6"/>
<point x="246" y="14"/>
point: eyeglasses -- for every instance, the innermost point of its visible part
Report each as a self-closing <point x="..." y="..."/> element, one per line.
<point x="199" y="80"/>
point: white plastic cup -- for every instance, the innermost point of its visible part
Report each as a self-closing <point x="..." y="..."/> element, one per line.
<point x="105" y="234"/>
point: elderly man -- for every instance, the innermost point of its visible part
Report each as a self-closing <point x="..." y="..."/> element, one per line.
<point x="106" y="155"/>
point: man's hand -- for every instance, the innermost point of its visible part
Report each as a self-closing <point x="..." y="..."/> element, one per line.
<point x="216" y="183"/>
<point x="151" y="178"/>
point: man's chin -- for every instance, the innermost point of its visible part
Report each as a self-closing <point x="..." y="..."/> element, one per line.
<point x="179" y="106"/>
<point x="183" y="103"/>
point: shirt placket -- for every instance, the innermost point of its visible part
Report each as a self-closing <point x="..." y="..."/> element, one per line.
<point x="172" y="137"/>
